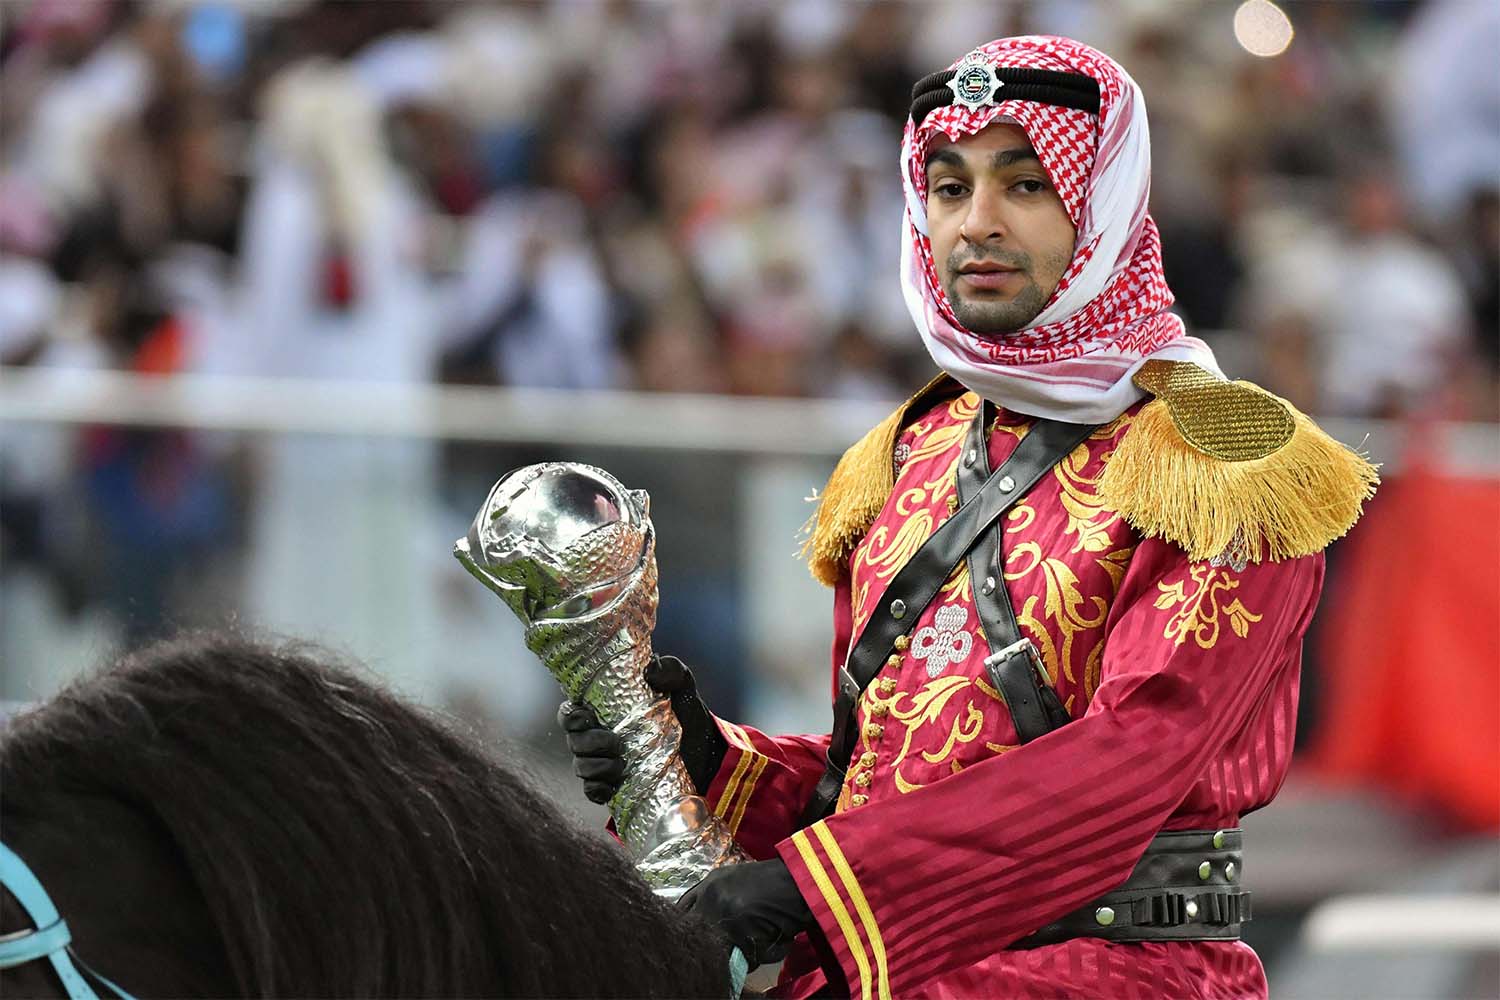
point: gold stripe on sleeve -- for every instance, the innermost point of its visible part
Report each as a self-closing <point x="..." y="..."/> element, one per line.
<point x="836" y="905"/>
<point x="738" y="737"/>
<point x="747" y="789"/>
<point x="861" y="905"/>
<point x="727" y="797"/>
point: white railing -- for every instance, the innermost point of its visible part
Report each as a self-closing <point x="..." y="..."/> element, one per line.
<point x="1404" y="922"/>
<point x="674" y="422"/>
<point x="421" y="410"/>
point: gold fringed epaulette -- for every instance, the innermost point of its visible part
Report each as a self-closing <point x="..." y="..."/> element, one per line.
<point x="859" y="487"/>
<point x="1226" y="469"/>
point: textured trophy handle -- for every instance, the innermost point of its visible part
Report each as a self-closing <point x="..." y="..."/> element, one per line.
<point x="572" y="553"/>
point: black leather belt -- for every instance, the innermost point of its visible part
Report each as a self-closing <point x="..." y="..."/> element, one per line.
<point x="1186" y="887"/>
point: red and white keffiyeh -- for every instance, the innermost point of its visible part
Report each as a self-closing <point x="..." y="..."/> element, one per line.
<point x="1108" y="315"/>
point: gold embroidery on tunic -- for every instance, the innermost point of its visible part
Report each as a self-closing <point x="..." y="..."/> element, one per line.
<point x="1088" y="517"/>
<point x="964" y="729"/>
<point x="924" y="707"/>
<point x="1064" y="604"/>
<point x="984" y="685"/>
<point x="957" y="588"/>
<point x="883" y="556"/>
<point x="1093" y="668"/>
<point x="1016" y="431"/>
<point x="1020" y="517"/>
<point x="1112" y="429"/>
<point x="1059" y="620"/>
<point x="1199" y="616"/>
<point x="858" y="593"/>
<point x="934" y="442"/>
<point x="1115" y="563"/>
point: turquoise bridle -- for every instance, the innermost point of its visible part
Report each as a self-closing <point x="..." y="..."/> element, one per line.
<point x="50" y="937"/>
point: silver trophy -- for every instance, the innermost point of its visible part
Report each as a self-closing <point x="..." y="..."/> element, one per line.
<point x="573" y="553"/>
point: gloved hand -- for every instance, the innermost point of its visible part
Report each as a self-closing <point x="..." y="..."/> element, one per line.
<point x="756" y="905"/>
<point x="597" y="751"/>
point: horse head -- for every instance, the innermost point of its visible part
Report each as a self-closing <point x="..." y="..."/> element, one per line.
<point x="215" y="817"/>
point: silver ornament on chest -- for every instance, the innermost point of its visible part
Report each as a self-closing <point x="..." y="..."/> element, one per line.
<point x="946" y="641"/>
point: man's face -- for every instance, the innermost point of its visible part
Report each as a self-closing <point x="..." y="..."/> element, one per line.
<point x="1000" y="235"/>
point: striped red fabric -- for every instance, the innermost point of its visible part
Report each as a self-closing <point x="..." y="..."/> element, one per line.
<point x="951" y="841"/>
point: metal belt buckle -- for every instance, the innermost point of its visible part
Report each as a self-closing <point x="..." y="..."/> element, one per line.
<point x="1027" y="647"/>
<point x="848" y="686"/>
<point x="841" y="739"/>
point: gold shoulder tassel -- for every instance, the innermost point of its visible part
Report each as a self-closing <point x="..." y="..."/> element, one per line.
<point x="1226" y="469"/>
<point x="857" y="490"/>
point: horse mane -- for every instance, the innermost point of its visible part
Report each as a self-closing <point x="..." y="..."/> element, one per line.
<point x="345" y="842"/>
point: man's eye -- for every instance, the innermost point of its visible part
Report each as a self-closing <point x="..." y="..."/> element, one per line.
<point x="1031" y="186"/>
<point x="952" y="189"/>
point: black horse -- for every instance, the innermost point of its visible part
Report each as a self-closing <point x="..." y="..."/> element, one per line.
<point x="215" y="817"/>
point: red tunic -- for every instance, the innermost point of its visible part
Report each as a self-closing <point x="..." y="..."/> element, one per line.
<point x="950" y="841"/>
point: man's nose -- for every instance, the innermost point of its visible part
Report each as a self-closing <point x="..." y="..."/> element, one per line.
<point x="985" y="221"/>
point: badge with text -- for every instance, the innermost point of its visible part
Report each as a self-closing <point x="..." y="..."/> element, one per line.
<point x="975" y="82"/>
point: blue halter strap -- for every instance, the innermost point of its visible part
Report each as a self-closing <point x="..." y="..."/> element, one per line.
<point x="50" y="938"/>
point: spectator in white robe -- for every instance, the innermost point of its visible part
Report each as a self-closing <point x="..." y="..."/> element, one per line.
<point x="343" y="535"/>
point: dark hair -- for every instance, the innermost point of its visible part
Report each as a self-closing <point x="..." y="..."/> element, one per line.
<point x="342" y="841"/>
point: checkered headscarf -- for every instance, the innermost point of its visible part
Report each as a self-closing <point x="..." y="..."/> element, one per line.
<point x="1108" y="315"/>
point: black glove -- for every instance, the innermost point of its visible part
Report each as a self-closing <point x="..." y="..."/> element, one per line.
<point x="756" y="905"/>
<point x="597" y="751"/>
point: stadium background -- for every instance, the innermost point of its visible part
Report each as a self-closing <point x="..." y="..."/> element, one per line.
<point x="285" y="286"/>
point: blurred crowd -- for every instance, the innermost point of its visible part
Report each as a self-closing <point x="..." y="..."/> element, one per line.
<point x="664" y="196"/>
<point x="704" y="196"/>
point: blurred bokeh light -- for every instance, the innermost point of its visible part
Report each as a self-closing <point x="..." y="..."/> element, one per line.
<point x="1262" y="28"/>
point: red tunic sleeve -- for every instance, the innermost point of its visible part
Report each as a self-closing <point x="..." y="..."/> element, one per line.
<point x="1198" y="659"/>
<point x="765" y="781"/>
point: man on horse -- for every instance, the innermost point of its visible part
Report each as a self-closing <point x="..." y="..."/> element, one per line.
<point x="1071" y="578"/>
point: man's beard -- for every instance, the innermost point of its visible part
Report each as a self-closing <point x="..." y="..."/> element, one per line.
<point x="993" y="317"/>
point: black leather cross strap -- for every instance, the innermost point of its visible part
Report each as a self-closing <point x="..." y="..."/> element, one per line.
<point x="1186" y="887"/>
<point x="918" y="582"/>
<point x="1013" y="665"/>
